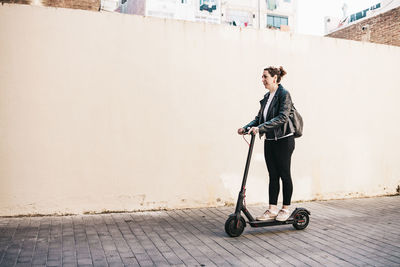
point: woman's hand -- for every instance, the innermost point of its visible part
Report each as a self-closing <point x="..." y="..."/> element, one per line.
<point x="254" y="130"/>
<point x="241" y="131"/>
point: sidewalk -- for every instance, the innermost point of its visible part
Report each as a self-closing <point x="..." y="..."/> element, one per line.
<point x="354" y="232"/>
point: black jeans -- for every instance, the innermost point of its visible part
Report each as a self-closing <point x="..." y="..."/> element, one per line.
<point x="278" y="156"/>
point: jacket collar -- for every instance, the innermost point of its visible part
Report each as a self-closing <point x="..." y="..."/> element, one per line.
<point x="274" y="100"/>
<point x="278" y="91"/>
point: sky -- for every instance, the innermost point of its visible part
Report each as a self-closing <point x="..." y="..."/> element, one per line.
<point x="311" y="13"/>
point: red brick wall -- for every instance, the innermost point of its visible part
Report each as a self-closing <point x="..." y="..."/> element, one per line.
<point x="76" y="4"/>
<point x="382" y="29"/>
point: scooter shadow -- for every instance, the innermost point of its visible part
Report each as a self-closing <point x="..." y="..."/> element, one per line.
<point x="274" y="230"/>
<point x="264" y="231"/>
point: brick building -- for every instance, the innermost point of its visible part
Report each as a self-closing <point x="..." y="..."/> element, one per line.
<point x="93" y="5"/>
<point x="383" y="28"/>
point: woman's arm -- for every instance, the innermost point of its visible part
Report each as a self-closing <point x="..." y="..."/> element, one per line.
<point x="254" y="122"/>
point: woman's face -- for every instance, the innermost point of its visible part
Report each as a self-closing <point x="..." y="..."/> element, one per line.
<point x="268" y="81"/>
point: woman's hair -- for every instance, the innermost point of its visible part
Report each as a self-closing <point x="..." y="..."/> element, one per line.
<point x="280" y="72"/>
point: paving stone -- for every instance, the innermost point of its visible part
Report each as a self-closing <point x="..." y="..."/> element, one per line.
<point x="24" y="259"/>
<point x="84" y="261"/>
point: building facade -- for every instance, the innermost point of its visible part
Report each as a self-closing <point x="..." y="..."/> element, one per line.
<point x="377" y="24"/>
<point x="275" y="14"/>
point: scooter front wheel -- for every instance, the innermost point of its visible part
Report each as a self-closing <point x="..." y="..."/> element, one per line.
<point x="234" y="227"/>
<point x="301" y="220"/>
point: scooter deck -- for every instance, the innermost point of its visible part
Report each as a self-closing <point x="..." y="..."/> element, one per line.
<point x="290" y="220"/>
<point x="270" y="222"/>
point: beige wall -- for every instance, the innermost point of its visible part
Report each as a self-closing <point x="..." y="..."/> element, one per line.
<point x="103" y="111"/>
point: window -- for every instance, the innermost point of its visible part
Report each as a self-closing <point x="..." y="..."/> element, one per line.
<point x="272" y="4"/>
<point x="276" y="21"/>
<point x="360" y="15"/>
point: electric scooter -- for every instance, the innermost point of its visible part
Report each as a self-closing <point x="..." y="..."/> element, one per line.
<point x="235" y="223"/>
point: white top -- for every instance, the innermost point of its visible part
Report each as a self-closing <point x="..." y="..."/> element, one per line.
<point x="271" y="96"/>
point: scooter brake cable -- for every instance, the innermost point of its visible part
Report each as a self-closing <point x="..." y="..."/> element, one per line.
<point x="246" y="140"/>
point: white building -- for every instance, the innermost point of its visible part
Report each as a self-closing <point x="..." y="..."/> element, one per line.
<point x="191" y="10"/>
<point x="276" y="14"/>
<point x="109" y="5"/>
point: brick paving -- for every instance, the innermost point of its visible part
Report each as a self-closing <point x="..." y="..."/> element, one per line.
<point x="353" y="232"/>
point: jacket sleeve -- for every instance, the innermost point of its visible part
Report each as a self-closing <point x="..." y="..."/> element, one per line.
<point x="284" y="111"/>
<point x="254" y="122"/>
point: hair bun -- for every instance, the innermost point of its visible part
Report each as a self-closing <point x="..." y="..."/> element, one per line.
<point x="282" y="71"/>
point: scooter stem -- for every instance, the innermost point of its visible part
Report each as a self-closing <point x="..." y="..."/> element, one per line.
<point x="239" y="204"/>
<point x="246" y="170"/>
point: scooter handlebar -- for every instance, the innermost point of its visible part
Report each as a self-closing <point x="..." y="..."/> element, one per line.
<point x="246" y="131"/>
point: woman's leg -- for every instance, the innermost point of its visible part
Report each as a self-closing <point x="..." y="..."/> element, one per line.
<point x="285" y="148"/>
<point x="273" y="210"/>
<point x="270" y="159"/>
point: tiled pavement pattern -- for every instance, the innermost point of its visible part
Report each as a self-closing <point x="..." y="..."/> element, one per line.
<point x="355" y="232"/>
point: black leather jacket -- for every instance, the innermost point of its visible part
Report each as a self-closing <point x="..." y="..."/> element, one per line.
<point x="277" y="123"/>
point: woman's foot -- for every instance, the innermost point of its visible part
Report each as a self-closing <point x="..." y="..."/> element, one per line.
<point x="283" y="215"/>
<point x="268" y="215"/>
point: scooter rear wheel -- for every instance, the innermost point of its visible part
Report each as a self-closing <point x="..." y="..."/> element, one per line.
<point x="301" y="220"/>
<point x="234" y="227"/>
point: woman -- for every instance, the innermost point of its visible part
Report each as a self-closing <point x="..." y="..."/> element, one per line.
<point x="273" y="123"/>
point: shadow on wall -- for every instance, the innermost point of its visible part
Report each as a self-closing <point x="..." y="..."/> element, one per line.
<point x="93" y="5"/>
